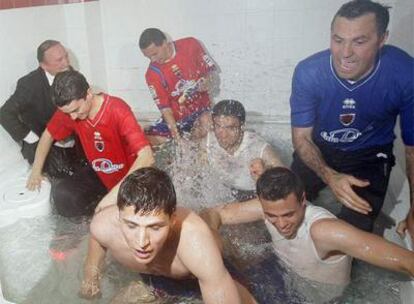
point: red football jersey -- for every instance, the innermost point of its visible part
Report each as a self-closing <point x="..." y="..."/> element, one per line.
<point x="111" y="140"/>
<point x="168" y="81"/>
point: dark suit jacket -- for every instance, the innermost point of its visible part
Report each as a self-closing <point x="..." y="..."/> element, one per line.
<point x="29" y="108"/>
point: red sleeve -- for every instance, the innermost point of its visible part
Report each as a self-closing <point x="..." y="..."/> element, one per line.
<point x="203" y="60"/>
<point x="130" y="130"/>
<point x="60" y="126"/>
<point x="157" y="90"/>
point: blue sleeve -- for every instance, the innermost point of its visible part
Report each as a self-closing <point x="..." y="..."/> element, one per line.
<point x="407" y="115"/>
<point x="303" y="103"/>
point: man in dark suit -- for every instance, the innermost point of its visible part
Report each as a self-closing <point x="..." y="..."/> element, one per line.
<point x="25" y="114"/>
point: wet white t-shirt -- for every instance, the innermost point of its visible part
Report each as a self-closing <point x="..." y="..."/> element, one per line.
<point x="234" y="170"/>
<point x="300" y="253"/>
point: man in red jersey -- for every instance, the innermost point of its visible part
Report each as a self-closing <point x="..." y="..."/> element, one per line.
<point x="112" y="139"/>
<point x="179" y="78"/>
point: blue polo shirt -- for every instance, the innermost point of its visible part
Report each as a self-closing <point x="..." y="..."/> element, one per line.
<point x="352" y="116"/>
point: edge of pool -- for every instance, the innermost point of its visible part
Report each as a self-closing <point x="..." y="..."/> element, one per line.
<point x="396" y="204"/>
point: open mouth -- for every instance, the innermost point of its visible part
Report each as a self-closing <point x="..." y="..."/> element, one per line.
<point x="141" y="254"/>
<point x="347" y="66"/>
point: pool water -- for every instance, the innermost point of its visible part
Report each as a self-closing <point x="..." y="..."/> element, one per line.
<point x="41" y="259"/>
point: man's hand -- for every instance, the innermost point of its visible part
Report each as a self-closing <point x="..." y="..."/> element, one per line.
<point x="407" y="225"/>
<point x="341" y="185"/>
<point x="90" y="285"/>
<point x="90" y="289"/>
<point x="256" y="167"/>
<point x="34" y="181"/>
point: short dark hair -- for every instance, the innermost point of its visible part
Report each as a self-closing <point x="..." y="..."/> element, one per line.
<point x="150" y="36"/>
<point x="358" y="8"/>
<point x="277" y="183"/>
<point x="230" y="107"/>
<point x="43" y="47"/>
<point x="148" y="190"/>
<point x="68" y="86"/>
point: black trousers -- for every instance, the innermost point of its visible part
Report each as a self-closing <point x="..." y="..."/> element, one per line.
<point x="60" y="162"/>
<point x="77" y="194"/>
<point x="372" y="164"/>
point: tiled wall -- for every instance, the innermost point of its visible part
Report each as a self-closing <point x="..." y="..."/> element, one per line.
<point x="256" y="43"/>
<point x="8" y="4"/>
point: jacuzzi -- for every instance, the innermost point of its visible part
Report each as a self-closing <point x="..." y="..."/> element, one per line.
<point x="17" y="204"/>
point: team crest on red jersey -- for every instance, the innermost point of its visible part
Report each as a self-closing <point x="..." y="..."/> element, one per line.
<point x="347" y="119"/>
<point x="98" y="140"/>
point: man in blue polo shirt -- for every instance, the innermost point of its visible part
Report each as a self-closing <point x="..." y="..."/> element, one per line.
<point x="344" y="106"/>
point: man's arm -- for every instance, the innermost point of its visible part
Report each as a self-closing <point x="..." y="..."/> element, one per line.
<point x="168" y="116"/>
<point x="10" y="113"/>
<point x="199" y="252"/>
<point x="341" y="184"/>
<point x="92" y="270"/>
<point x="408" y="223"/>
<point x="145" y="158"/>
<point x="333" y="235"/>
<point x="42" y="150"/>
<point x="269" y="159"/>
<point x="233" y="213"/>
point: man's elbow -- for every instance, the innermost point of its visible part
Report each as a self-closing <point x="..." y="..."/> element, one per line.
<point x="146" y="156"/>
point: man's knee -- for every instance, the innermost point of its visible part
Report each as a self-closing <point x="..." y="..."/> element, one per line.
<point x="69" y="201"/>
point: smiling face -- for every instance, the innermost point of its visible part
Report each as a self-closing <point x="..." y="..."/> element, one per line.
<point x="158" y="54"/>
<point x="228" y="131"/>
<point x="286" y="215"/>
<point x="145" y="234"/>
<point x="355" y="44"/>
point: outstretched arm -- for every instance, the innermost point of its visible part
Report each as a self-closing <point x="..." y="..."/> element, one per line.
<point x="332" y="235"/>
<point x="233" y="213"/>
<point x="341" y="184"/>
<point x="92" y="270"/>
<point x="42" y="150"/>
<point x="408" y="223"/>
<point x="145" y="158"/>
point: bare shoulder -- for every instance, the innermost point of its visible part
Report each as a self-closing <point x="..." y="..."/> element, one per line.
<point x="105" y="224"/>
<point x="331" y="232"/>
<point x="193" y="229"/>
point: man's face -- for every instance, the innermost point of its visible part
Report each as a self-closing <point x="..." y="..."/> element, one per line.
<point x="78" y="109"/>
<point x="228" y="131"/>
<point x="285" y="214"/>
<point x="55" y="60"/>
<point x="158" y="54"/>
<point x="145" y="234"/>
<point x="354" y="46"/>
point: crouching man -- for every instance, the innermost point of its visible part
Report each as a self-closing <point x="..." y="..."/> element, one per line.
<point x="147" y="233"/>
<point x="309" y="239"/>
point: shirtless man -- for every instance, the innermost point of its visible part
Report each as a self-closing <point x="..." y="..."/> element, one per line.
<point x="309" y="239"/>
<point x="148" y="234"/>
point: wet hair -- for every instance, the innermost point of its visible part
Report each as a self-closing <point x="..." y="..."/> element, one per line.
<point x="43" y="47"/>
<point x="148" y="190"/>
<point x="150" y="36"/>
<point x="358" y="8"/>
<point x="230" y="107"/>
<point x="277" y="183"/>
<point x="68" y="86"/>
